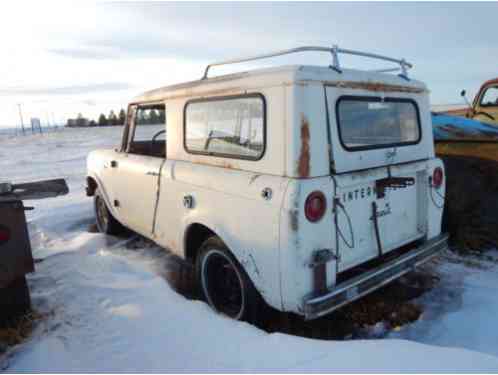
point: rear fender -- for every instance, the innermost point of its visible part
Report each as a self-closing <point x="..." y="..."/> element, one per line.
<point x="259" y="272"/>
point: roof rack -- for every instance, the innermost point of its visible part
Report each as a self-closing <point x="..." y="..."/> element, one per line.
<point x="334" y="50"/>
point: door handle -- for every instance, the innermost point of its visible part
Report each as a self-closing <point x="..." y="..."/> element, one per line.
<point x="151" y="173"/>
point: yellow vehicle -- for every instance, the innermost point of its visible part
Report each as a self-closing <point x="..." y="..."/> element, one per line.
<point x="467" y="141"/>
<point x="484" y="108"/>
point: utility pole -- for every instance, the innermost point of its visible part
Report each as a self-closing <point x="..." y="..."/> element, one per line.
<point x="22" y="122"/>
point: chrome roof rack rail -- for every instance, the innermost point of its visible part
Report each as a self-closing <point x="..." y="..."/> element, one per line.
<point x="335" y="51"/>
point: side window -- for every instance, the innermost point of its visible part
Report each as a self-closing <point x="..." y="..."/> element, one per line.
<point x="490" y="97"/>
<point x="148" y="134"/>
<point x="230" y="127"/>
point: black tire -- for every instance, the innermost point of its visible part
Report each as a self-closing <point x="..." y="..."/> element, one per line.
<point x="106" y="223"/>
<point x="224" y="284"/>
<point x="14" y="300"/>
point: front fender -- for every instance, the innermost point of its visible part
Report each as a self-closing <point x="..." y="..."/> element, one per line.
<point x="104" y="192"/>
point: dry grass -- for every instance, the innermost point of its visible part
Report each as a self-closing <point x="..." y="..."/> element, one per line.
<point x="18" y="330"/>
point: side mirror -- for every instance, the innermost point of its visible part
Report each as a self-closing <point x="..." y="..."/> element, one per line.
<point x="463" y="93"/>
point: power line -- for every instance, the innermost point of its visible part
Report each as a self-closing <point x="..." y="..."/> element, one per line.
<point x="22" y="122"/>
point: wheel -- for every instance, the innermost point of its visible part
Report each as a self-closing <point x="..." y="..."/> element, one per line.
<point x="224" y="284"/>
<point x="14" y="300"/>
<point x="106" y="223"/>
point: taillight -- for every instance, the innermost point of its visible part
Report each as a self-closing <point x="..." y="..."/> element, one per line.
<point x="4" y="235"/>
<point x="437" y="177"/>
<point x="315" y="206"/>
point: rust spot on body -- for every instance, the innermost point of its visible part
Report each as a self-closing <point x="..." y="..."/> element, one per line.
<point x="214" y="163"/>
<point x="294" y="220"/>
<point x="376" y="86"/>
<point x="303" y="164"/>
<point x="253" y="178"/>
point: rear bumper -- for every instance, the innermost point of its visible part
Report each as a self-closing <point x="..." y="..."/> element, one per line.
<point x="350" y="290"/>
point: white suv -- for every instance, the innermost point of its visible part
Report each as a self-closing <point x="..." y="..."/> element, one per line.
<point x="303" y="187"/>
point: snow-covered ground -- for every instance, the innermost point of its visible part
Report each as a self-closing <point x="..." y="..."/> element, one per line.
<point x="109" y="308"/>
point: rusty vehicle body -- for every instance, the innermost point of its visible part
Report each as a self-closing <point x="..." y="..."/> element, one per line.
<point x="16" y="259"/>
<point x="482" y="114"/>
<point x="484" y="107"/>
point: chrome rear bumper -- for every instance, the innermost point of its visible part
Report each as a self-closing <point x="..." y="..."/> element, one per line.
<point x="350" y="290"/>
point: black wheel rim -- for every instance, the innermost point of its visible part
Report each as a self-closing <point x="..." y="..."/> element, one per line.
<point x="222" y="285"/>
<point x="102" y="214"/>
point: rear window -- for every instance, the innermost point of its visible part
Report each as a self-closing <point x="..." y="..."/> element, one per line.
<point x="370" y="122"/>
<point x="230" y="127"/>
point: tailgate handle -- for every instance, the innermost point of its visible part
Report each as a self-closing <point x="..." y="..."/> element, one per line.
<point x="392" y="182"/>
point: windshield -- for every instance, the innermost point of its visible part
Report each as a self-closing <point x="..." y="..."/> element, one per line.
<point x="370" y="122"/>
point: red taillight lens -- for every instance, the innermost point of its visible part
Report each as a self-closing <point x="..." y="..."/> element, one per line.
<point x="315" y="206"/>
<point x="437" y="177"/>
<point x="4" y="235"/>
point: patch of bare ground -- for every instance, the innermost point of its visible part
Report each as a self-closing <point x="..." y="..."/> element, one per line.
<point x="17" y="330"/>
<point x="389" y="307"/>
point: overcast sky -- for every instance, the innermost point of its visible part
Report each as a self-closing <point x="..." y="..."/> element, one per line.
<point x="58" y="60"/>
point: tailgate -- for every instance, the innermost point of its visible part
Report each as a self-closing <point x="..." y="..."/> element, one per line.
<point x="374" y="219"/>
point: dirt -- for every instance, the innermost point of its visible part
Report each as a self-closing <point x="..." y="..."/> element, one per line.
<point x="390" y="307"/>
<point x="17" y="330"/>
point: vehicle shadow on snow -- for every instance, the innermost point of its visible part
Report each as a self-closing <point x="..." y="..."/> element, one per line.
<point x="373" y="316"/>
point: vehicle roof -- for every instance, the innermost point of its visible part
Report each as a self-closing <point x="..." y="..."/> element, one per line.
<point x="275" y="76"/>
<point x="488" y="82"/>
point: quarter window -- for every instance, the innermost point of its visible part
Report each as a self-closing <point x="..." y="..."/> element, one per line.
<point x="230" y="127"/>
<point x="369" y="122"/>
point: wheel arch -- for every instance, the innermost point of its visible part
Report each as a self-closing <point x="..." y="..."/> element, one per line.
<point x="196" y="233"/>
<point x="94" y="183"/>
<point x="91" y="186"/>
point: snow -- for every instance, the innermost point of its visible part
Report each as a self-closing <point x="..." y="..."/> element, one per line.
<point x="109" y="308"/>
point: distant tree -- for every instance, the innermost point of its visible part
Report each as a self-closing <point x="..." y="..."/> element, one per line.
<point x="153" y="117"/>
<point x="122" y="117"/>
<point x="70" y="123"/>
<point x="102" y="120"/>
<point x="81" y="121"/>
<point x="92" y="123"/>
<point x="112" y="119"/>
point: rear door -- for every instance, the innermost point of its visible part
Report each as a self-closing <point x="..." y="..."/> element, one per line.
<point x="378" y="152"/>
<point x="399" y="213"/>
<point x="373" y="129"/>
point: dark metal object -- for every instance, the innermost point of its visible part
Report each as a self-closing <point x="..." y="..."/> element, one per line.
<point x="16" y="259"/>
<point x="319" y="265"/>
<point x="375" y="220"/>
<point x="33" y="190"/>
<point x="392" y="182"/>
<point x="352" y="289"/>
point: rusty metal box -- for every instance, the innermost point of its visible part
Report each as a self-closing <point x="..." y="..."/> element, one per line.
<point x="16" y="258"/>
